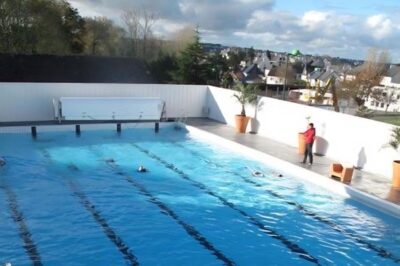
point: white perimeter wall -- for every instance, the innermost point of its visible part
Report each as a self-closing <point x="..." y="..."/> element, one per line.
<point x="33" y="101"/>
<point x="346" y="138"/>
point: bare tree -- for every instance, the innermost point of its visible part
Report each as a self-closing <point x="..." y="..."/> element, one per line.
<point x="367" y="76"/>
<point x="148" y="20"/>
<point x="103" y="37"/>
<point x="131" y="19"/>
<point x="333" y="89"/>
<point x="139" y="26"/>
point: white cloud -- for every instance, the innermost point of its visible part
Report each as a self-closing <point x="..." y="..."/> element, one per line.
<point x="319" y="43"/>
<point x="312" y="20"/>
<point x="270" y="21"/>
<point x="258" y="2"/>
<point x="84" y="9"/>
<point x="380" y="26"/>
<point x="165" y="28"/>
<point x="256" y="23"/>
<point x="326" y="32"/>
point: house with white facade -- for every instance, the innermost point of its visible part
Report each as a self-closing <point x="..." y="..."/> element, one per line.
<point x="387" y="94"/>
<point x="392" y="77"/>
<point x="274" y="77"/>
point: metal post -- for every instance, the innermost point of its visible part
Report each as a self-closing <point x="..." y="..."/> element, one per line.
<point x="285" y="81"/>
<point x="157" y="127"/>
<point x="78" y="130"/>
<point x="119" y="128"/>
<point x="277" y="91"/>
<point x="33" y="132"/>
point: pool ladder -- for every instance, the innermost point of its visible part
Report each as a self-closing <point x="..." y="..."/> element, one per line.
<point x="180" y="121"/>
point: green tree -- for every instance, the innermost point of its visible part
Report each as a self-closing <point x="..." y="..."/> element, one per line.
<point x="217" y="66"/>
<point x="15" y="27"/>
<point x="227" y="80"/>
<point x="246" y="93"/>
<point x="103" y="37"/>
<point x="235" y="57"/>
<point x="74" y="28"/>
<point x="192" y="65"/>
<point x="250" y="54"/>
<point x="163" y="67"/>
<point x="47" y="26"/>
<point x="39" y="26"/>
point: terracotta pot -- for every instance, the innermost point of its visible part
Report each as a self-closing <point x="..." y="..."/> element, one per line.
<point x="241" y="123"/>
<point x="396" y="175"/>
<point x="302" y="144"/>
<point x="394" y="195"/>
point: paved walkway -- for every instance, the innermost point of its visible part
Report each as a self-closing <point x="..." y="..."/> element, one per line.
<point x="370" y="183"/>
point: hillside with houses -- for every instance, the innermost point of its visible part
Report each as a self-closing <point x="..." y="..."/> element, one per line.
<point x="313" y="79"/>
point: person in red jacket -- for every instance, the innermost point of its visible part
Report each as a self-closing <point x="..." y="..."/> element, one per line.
<point x="309" y="137"/>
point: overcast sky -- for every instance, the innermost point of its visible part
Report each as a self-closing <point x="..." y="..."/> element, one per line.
<point x="345" y="28"/>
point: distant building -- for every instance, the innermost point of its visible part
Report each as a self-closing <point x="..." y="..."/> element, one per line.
<point x="253" y="75"/>
<point x="388" y="93"/>
<point x="392" y="77"/>
<point x="309" y="96"/>
<point x="214" y="48"/>
<point x="274" y="77"/>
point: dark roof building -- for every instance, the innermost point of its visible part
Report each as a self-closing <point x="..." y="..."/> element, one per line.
<point x="252" y="74"/>
<point x="328" y="75"/>
<point x="317" y="63"/>
<point x="316" y="74"/>
<point x="393" y="71"/>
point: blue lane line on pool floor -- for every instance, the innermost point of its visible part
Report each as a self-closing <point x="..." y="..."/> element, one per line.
<point x="85" y="202"/>
<point x="191" y="230"/>
<point x="268" y="231"/>
<point x="110" y="233"/>
<point x="18" y="217"/>
<point x="379" y="250"/>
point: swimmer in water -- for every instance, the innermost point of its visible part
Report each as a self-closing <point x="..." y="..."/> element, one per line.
<point x="142" y="169"/>
<point x="257" y="173"/>
<point x="110" y="161"/>
<point x="2" y="161"/>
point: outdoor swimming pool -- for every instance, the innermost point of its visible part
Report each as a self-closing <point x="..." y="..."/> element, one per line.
<point x="68" y="200"/>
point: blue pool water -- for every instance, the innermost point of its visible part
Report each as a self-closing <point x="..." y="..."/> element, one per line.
<point x="68" y="200"/>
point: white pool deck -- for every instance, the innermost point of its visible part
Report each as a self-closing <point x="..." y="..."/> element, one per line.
<point x="369" y="183"/>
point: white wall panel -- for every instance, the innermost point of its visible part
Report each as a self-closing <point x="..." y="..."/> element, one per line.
<point x="348" y="139"/>
<point x="33" y="101"/>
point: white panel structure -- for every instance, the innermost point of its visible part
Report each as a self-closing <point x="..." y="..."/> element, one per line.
<point x="111" y="108"/>
<point x="33" y="101"/>
<point x="349" y="139"/>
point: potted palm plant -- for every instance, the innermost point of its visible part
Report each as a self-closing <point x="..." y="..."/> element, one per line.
<point x="395" y="143"/>
<point x="245" y="94"/>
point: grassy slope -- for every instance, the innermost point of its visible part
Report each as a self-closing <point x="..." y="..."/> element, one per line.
<point x="390" y="119"/>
